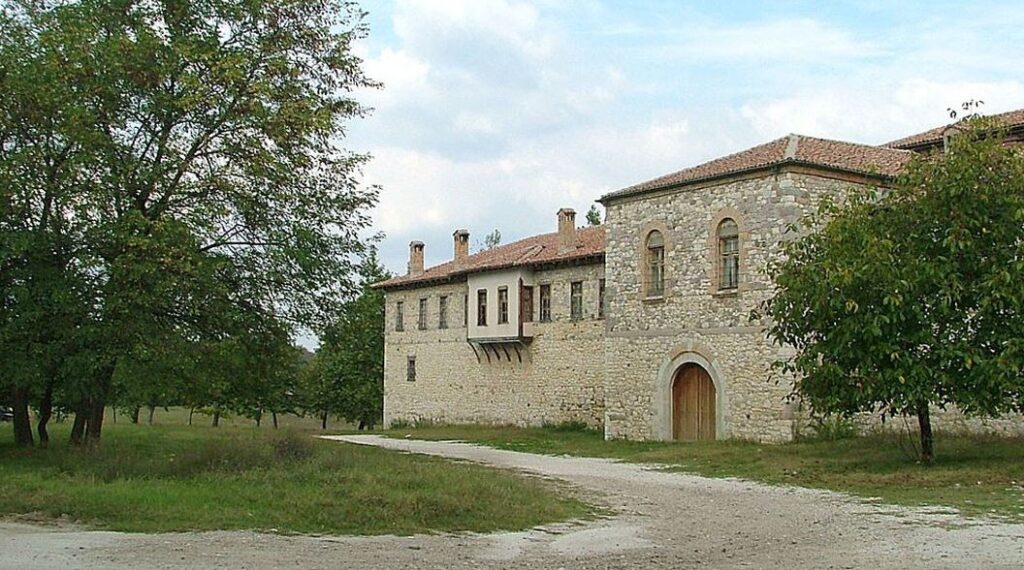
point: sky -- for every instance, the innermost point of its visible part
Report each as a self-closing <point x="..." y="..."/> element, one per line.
<point x="496" y="113"/>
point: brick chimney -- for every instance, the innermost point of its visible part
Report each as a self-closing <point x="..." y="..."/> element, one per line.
<point x="566" y="230"/>
<point x="415" y="257"/>
<point x="461" y="243"/>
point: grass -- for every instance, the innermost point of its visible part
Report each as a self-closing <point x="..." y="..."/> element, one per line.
<point x="174" y="478"/>
<point x="977" y="475"/>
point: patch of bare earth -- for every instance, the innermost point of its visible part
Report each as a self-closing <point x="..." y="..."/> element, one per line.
<point x="660" y="520"/>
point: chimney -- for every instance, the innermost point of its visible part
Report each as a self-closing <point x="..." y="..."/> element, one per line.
<point x="566" y="230"/>
<point x="415" y="257"/>
<point x="461" y="241"/>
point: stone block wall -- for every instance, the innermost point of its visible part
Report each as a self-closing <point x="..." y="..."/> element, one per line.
<point x="560" y="378"/>
<point x="694" y="320"/>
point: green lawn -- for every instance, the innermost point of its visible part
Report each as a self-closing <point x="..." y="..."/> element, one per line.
<point x="175" y="478"/>
<point x="978" y="475"/>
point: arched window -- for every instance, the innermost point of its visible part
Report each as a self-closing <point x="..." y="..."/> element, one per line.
<point x="655" y="247"/>
<point x="728" y="254"/>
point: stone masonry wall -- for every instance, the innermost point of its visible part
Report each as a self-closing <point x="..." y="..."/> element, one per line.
<point x="645" y="336"/>
<point x="560" y="378"/>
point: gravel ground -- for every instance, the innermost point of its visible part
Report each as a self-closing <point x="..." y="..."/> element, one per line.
<point x="659" y="520"/>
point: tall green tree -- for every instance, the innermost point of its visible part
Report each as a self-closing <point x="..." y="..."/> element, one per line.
<point x="195" y="148"/>
<point x="351" y="358"/>
<point x="912" y="298"/>
<point x="593" y="216"/>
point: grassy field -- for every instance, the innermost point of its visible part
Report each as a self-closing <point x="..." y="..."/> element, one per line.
<point x="173" y="478"/>
<point x="178" y="416"/>
<point x="978" y="475"/>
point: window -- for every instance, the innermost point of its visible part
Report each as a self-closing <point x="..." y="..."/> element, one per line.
<point x="442" y="312"/>
<point x="655" y="264"/>
<point x="526" y="302"/>
<point x="729" y="254"/>
<point x="576" y="300"/>
<point x="421" y="323"/>
<point x="410" y="368"/>
<point x="399" y="316"/>
<point x="481" y="308"/>
<point x="502" y="305"/>
<point x="600" y="299"/>
<point x="545" y="303"/>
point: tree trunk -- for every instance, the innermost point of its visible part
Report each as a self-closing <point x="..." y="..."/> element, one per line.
<point x="22" y="422"/>
<point x="94" y="427"/>
<point x="323" y="421"/>
<point x="151" y="410"/>
<point x="216" y="418"/>
<point x="135" y="415"/>
<point x="191" y="411"/>
<point x="45" y="413"/>
<point x="362" y="425"/>
<point x="259" y="418"/>
<point x="81" y="419"/>
<point x="924" y="422"/>
<point x="274" y="416"/>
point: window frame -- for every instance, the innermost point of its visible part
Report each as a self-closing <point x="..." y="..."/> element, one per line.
<point x="481" y="307"/>
<point x="601" y="298"/>
<point x="410" y="368"/>
<point x="576" y="300"/>
<point x="442" y="312"/>
<point x="544" y="302"/>
<point x="526" y="304"/>
<point x="421" y="318"/>
<point x="503" y="305"/>
<point x="654" y="264"/>
<point x="728" y="254"/>
<point x="399" y="316"/>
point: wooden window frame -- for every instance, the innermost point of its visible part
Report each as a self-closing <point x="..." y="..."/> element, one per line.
<point x="576" y="300"/>
<point x="399" y="316"/>
<point x="526" y="304"/>
<point x="481" y="307"/>
<point x="502" y="305"/>
<point x="421" y="318"/>
<point x="544" y="303"/>
<point x="442" y="312"/>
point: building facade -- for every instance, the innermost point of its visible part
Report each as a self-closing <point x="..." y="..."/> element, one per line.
<point x="642" y="326"/>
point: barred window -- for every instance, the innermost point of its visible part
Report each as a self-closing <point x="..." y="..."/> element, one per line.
<point x="729" y="254"/>
<point x="600" y="299"/>
<point x="481" y="308"/>
<point x="502" y="305"/>
<point x="421" y="323"/>
<point x="576" y="300"/>
<point x="655" y="264"/>
<point x="399" y="316"/>
<point x="410" y="368"/>
<point x="442" y="312"/>
<point x="545" y="303"/>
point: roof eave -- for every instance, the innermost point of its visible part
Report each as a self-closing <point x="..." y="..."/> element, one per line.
<point x="612" y="196"/>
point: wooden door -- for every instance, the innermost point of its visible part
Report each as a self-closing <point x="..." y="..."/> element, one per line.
<point x="693" y="404"/>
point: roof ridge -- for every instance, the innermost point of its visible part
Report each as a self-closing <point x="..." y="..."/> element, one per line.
<point x="791" y="144"/>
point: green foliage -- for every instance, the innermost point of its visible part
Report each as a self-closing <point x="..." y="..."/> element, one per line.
<point x="492" y="240"/>
<point x="348" y="380"/>
<point x="830" y="428"/>
<point x="568" y="426"/>
<point x="912" y="297"/>
<point x="593" y="216"/>
<point x="173" y="188"/>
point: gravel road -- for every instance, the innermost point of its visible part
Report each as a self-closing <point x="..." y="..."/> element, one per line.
<point x="660" y="520"/>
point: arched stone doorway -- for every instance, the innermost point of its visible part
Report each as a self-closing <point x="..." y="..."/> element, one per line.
<point x="694" y="404"/>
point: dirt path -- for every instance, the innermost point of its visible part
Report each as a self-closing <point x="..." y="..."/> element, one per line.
<point x="663" y="520"/>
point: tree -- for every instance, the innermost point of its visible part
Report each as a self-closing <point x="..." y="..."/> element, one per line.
<point x="912" y="298"/>
<point x="193" y="149"/>
<point x="351" y="359"/>
<point x="593" y="216"/>
<point x="492" y="240"/>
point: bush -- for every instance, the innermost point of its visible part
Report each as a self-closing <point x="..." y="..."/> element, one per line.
<point x="831" y="428"/>
<point x="292" y="446"/>
<point x="568" y="426"/>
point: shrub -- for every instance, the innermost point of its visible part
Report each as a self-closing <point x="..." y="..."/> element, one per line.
<point x="292" y="446"/>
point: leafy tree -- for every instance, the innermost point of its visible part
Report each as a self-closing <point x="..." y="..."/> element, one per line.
<point x="912" y="298"/>
<point x="351" y="359"/>
<point x="492" y="240"/>
<point x="191" y="151"/>
<point x="593" y="216"/>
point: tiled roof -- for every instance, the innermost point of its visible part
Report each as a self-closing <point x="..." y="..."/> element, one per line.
<point x="531" y="251"/>
<point x="934" y="136"/>
<point x="793" y="149"/>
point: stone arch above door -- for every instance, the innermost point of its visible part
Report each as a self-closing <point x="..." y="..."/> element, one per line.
<point x="662" y="397"/>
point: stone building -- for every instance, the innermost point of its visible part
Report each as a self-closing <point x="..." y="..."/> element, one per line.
<point x="640" y="326"/>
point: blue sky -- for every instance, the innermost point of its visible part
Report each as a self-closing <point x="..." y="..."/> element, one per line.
<point x="496" y="113"/>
